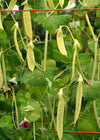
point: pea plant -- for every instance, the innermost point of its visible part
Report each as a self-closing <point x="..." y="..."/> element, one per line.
<point x="49" y="70"/>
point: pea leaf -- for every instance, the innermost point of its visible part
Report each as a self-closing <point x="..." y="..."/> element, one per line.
<point x="53" y="22"/>
<point x="6" y="121"/>
<point x="91" y="3"/>
<point x="31" y="115"/>
<point x="34" y="79"/>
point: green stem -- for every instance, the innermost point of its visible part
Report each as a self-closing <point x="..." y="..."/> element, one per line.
<point x="45" y="49"/>
<point x="34" y="130"/>
<point x="52" y="114"/>
<point x="14" y="100"/>
<point x="73" y="67"/>
<point x="4" y="71"/>
<point x="13" y="114"/>
<point x="95" y="61"/>
<point x="80" y="2"/>
<point x="4" y="68"/>
<point x="98" y="65"/>
<point x="70" y="32"/>
<point x="53" y="119"/>
<point x="42" y="117"/>
<point x="90" y="27"/>
<point x="45" y="2"/>
<point x="53" y="11"/>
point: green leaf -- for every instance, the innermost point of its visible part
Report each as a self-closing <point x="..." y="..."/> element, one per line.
<point x="6" y="121"/>
<point x="91" y="44"/>
<point x="30" y="115"/>
<point x="91" y="92"/>
<point x="53" y="22"/>
<point x="10" y="134"/>
<point x="91" y="3"/>
<point x="33" y="79"/>
<point x="87" y="122"/>
<point x="13" y="59"/>
<point x="50" y="72"/>
<point x="84" y="62"/>
<point x="3" y="38"/>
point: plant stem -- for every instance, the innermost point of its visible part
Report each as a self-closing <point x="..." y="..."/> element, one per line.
<point x="98" y="65"/>
<point x="4" y="68"/>
<point x="73" y="67"/>
<point x="52" y="114"/>
<point x="90" y="27"/>
<point x="45" y="2"/>
<point x="45" y="49"/>
<point x="4" y="71"/>
<point x="34" y="130"/>
<point x="95" y="61"/>
<point x="14" y="100"/>
<point x="53" y="119"/>
<point x="70" y="32"/>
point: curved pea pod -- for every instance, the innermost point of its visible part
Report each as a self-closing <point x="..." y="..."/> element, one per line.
<point x="70" y="3"/>
<point x="12" y="4"/>
<point x="1" y="77"/>
<point x="27" y="21"/>
<point x="61" y="2"/>
<point x="60" y="41"/>
<point x="51" y="5"/>
<point x="15" y="40"/>
<point x="30" y="56"/>
<point x="60" y="114"/>
<point x="78" y="98"/>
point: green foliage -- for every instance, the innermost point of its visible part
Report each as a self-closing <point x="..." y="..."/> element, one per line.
<point x="35" y="96"/>
<point x="53" y="22"/>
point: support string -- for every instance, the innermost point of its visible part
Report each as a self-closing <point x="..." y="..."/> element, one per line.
<point x="34" y="10"/>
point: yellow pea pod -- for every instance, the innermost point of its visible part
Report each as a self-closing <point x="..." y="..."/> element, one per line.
<point x="73" y="63"/>
<point x="30" y="56"/>
<point x="78" y="98"/>
<point x="51" y="5"/>
<point x="12" y="4"/>
<point x="15" y="40"/>
<point x="1" y="76"/>
<point x="61" y="2"/>
<point x="60" y="114"/>
<point x="27" y="21"/>
<point x="1" y="26"/>
<point x="60" y="41"/>
<point x="70" y="3"/>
